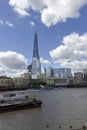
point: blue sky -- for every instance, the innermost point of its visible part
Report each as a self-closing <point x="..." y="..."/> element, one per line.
<point x="61" y="29"/>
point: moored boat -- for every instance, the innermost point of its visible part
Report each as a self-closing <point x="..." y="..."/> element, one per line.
<point x="18" y="102"/>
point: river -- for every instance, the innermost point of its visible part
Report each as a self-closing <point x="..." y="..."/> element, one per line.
<point x="61" y="109"/>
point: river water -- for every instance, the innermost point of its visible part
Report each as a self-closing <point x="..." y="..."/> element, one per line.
<point x="60" y="109"/>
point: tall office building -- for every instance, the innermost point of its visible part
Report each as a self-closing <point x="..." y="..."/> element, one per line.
<point x="36" y="65"/>
<point x="48" y="71"/>
<point x="62" y="72"/>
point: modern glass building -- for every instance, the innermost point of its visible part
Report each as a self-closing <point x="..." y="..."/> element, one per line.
<point x="48" y="71"/>
<point x="62" y="72"/>
<point x="36" y="65"/>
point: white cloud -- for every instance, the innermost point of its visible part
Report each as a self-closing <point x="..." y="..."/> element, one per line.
<point x="72" y="52"/>
<point x="60" y="11"/>
<point x="52" y="12"/>
<point x="20" y="6"/>
<point x="44" y="61"/>
<point x="37" y="5"/>
<point x="9" y="24"/>
<point x="6" y="23"/>
<point x="1" y="22"/>
<point x="32" y="23"/>
<point x="12" y="63"/>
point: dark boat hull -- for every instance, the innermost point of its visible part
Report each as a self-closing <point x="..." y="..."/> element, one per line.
<point x="21" y="106"/>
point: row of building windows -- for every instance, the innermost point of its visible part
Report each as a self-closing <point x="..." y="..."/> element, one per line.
<point x="60" y="72"/>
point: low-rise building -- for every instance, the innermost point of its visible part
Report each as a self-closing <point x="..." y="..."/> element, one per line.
<point x="78" y="77"/>
<point x="60" y="81"/>
<point x="22" y="81"/>
<point x="50" y="80"/>
<point x="6" y="81"/>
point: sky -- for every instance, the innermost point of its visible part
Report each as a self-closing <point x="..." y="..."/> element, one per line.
<point x="61" y="29"/>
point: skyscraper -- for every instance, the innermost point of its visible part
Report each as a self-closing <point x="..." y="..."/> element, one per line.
<point x="36" y="65"/>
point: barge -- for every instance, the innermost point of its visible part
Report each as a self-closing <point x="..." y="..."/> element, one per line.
<point x="18" y="102"/>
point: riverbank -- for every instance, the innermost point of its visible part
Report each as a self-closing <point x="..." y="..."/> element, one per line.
<point x="13" y="88"/>
<point x="45" y="87"/>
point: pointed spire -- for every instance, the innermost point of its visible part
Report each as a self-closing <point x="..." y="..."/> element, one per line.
<point x="36" y="65"/>
<point x="35" y="49"/>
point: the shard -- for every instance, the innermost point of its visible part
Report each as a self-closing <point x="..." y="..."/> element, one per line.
<point x="36" y="65"/>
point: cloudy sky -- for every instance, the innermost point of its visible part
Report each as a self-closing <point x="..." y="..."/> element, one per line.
<point x="61" y="29"/>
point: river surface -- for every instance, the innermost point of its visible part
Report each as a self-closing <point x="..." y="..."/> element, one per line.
<point x="60" y="109"/>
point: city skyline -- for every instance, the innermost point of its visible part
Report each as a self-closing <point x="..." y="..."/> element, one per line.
<point x="61" y="29"/>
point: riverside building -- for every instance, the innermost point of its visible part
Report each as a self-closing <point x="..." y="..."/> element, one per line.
<point x="62" y="72"/>
<point x="6" y="81"/>
<point x="58" y="72"/>
<point x="22" y="81"/>
<point x="85" y="74"/>
<point x="78" y="77"/>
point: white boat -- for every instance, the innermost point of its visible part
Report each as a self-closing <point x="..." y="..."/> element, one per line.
<point x="13" y="101"/>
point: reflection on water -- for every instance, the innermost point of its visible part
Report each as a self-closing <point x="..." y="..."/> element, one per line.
<point x="61" y="109"/>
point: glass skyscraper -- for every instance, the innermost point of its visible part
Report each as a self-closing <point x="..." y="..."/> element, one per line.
<point x="62" y="72"/>
<point x="36" y="65"/>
